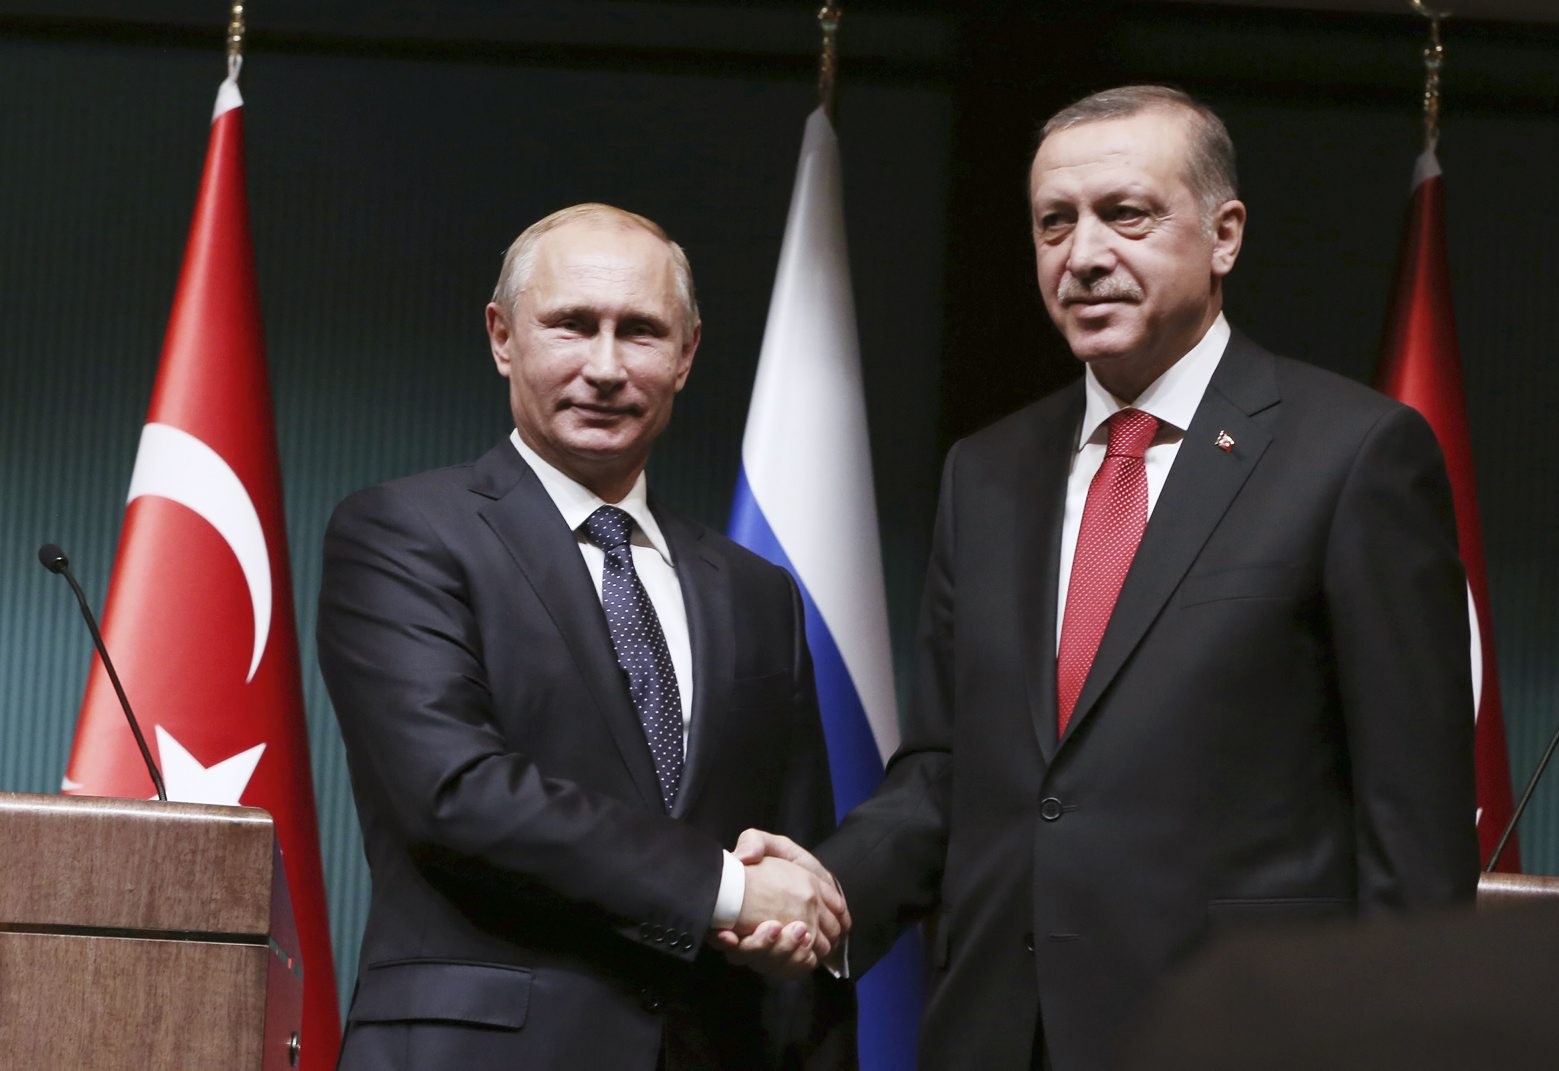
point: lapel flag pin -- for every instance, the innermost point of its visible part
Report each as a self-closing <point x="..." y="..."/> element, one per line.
<point x="1224" y="441"/>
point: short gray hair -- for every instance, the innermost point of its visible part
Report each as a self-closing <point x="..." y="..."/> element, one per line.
<point x="1209" y="164"/>
<point x="519" y="260"/>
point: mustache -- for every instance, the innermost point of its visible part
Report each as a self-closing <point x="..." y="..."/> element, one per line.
<point x="1106" y="288"/>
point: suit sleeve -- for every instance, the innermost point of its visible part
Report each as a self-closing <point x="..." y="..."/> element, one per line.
<point x="889" y="852"/>
<point x="400" y="653"/>
<point x="1397" y="608"/>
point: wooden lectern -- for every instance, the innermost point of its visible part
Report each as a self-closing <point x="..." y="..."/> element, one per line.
<point x="138" y="935"/>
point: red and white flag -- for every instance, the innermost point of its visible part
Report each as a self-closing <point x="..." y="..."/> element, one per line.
<point x="199" y="618"/>
<point x="1420" y="365"/>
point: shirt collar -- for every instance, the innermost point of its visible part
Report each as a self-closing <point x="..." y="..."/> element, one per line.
<point x="1172" y="397"/>
<point x="576" y="502"/>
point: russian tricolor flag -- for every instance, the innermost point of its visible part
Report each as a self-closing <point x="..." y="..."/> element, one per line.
<point x="805" y="501"/>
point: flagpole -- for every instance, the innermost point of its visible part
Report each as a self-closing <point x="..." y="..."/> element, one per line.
<point x="828" y="17"/>
<point x="235" y="39"/>
<point x="1434" y="58"/>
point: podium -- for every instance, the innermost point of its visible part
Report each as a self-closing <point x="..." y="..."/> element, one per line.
<point x="140" y="935"/>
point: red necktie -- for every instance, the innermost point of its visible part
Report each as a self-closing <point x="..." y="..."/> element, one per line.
<point x="1113" y="519"/>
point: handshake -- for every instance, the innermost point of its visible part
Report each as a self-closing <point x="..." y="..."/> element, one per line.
<point x="793" y="914"/>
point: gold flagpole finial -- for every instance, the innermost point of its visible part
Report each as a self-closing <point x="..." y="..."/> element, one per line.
<point x="235" y="38"/>
<point x="828" y="17"/>
<point x="1434" y="57"/>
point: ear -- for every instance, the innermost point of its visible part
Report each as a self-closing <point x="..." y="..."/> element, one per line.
<point x="1228" y="232"/>
<point x="685" y="358"/>
<point x="498" y="335"/>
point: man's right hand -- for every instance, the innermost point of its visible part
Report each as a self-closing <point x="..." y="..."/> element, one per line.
<point x="793" y="914"/>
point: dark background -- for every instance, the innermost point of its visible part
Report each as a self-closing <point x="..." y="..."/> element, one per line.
<point x="395" y="148"/>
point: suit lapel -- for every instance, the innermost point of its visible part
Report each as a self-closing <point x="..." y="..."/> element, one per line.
<point x="706" y="594"/>
<point x="526" y="521"/>
<point x="1201" y="485"/>
<point x="1040" y="495"/>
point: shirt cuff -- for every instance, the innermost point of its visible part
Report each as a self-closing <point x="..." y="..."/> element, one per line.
<point x="838" y="964"/>
<point x="733" y="889"/>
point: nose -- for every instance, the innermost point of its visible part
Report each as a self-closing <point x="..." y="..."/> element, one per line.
<point x="1091" y="253"/>
<point x="603" y="366"/>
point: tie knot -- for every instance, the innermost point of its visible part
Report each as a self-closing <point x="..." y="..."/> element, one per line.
<point x="1131" y="432"/>
<point x="608" y="527"/>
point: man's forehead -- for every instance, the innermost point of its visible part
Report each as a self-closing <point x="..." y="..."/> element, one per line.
<point x="1164" y="125"/>
<point x="583" y="247"/>
<point x="1154" y="141"/>
<point x="601" y="266"/>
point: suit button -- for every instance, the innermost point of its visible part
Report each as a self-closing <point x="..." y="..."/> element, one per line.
<point x="1028" y="941"/>
<point x="1050" y="808"/>
<point x="649" y="1000"/>
<point x="686" y="943"/>
<point x="658" y="934"/>
<point x="646" y="931"/>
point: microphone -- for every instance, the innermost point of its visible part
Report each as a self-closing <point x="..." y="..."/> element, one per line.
<point x="54" y="560"/>
<point x="1526" y="798"/>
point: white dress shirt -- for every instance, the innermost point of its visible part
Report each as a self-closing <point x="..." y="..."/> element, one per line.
<point x="1173" y="398"/>
<point x="658" y="573"/>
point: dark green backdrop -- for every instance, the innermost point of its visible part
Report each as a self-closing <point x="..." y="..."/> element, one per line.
<point x="393" y="154"/>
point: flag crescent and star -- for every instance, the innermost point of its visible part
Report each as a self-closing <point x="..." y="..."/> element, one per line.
<point x="199" y="617"/>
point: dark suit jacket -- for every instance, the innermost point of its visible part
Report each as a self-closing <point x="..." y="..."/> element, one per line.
<point x="1278" y="723"/>
<point x="533" y="905"/>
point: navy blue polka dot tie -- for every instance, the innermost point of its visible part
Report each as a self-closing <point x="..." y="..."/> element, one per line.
<point x="640" y="646"/>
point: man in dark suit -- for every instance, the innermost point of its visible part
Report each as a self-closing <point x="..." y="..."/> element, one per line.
<point x="1194" y="644"/>
<point x="559" y="702"/>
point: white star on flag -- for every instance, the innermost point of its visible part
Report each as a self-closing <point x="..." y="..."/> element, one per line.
<point x="188" y="781"/>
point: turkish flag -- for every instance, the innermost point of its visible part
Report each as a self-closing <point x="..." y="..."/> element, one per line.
<point x="199" y="618"/>
<point x="1420" y="365"/>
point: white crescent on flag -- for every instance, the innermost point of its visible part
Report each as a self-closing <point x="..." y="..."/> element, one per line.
<point x="173" y="464"/>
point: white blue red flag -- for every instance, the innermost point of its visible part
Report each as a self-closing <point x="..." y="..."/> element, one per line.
<point x="804" y="500"/>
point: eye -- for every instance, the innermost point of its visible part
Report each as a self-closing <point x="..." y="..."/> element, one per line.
<point x="1052" y="226"/>
<point x="641" y="329"/>
<point x="1129" y="217"/>
<point x="570" y="323"/>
